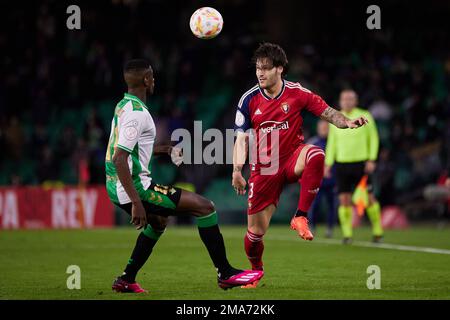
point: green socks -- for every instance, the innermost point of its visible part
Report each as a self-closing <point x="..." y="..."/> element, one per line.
<point x="207" y="221"/>
<point x="144" y="246"/>
<point x="212" y="239"/>
<point x="345" y="219"/>
<point x="151" y="233"/>
<point x="374" y="214"/>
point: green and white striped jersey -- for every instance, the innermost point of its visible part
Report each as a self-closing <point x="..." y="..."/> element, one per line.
<point x="133" y="130"/>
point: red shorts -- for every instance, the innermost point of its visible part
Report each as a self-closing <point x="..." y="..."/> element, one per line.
<point x="264" y="189"/>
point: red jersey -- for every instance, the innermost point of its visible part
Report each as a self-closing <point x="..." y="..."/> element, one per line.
<point x="281" y="115"/>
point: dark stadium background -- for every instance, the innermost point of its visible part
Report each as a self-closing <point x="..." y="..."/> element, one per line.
<point x="58" y="88"/>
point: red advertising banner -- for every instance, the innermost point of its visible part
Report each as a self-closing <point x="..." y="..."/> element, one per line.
<point x="68" y="207"/>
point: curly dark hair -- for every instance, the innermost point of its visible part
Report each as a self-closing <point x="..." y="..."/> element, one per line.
<point x="272" y="52"/>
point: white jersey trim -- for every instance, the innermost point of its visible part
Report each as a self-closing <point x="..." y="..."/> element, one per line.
<point x="246" y="94"/>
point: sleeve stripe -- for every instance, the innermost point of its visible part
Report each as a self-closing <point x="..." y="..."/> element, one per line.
<point x="124" y="148"/>
<point x="241" y="101"/>
<point x="297" y="85"/>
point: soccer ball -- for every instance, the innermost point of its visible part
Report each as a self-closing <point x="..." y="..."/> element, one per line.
<point x="206" y="23"/>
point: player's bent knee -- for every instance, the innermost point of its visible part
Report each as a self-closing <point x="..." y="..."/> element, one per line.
<point x="315" y="156"/>
<point x="208" y="207"/>
<point x="204" y="207"/>
<point x="158" y="223"/>
<point x="259" y="228"/>
<point x="310" y="156"/>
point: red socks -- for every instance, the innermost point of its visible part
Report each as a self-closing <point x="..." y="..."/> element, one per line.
<point x="254" y="248"/>
<point x="311" y="177"/>
<point x="310" y="181"/>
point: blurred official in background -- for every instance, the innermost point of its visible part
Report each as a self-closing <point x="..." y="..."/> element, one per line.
<point x="354" y="153"/>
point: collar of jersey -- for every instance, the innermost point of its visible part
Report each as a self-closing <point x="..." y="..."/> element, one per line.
<point x="269" y="98"/>
<point x="134" y="98"/>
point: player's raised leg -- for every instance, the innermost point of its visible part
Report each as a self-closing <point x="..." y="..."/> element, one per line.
<point x="309" y="167"/>
<point x="208" y="228"/>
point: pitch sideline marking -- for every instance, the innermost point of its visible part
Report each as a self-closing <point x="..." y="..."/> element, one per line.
<point x="364" y="244"/>
<point x="373" y="245"/>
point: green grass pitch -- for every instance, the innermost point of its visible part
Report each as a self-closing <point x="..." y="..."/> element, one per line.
<point x="33" y="265"/>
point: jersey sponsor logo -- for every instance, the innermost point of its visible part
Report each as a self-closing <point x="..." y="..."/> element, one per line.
<point x="269" y="126"/>
<point x="240" y="119"/>
<point x="285" y="107"/>
<point x="257" y="112"/>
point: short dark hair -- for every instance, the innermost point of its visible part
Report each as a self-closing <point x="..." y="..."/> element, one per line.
<point x="136" y="65"/>
<point x="273" y="52"/>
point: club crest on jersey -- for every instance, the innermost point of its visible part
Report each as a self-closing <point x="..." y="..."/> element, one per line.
<point x="285" y="107"/>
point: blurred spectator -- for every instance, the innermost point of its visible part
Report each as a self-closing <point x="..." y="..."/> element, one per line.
<point x="14" y="139"/>
<point x="385" y="174"/>
<point x="381" y="110"/>
<point x="95" y="138"/>
<point x="80" y="159"/>
<point x="66" y="142"/>
<point x="39" y="140"/>
<point x="48" y="168"/>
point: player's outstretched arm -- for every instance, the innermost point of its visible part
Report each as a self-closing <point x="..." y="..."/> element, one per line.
<point x="339" y="120"/>
<point x="138" y="215"/>
<point x="162" y="150"/>
<point x="175" y="153"/>
<point x="239" y="157"/>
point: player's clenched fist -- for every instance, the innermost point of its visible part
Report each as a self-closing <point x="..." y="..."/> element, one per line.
<point x="238" y="182"/>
